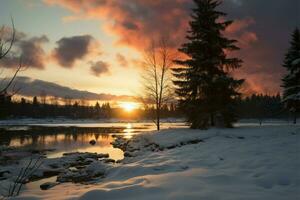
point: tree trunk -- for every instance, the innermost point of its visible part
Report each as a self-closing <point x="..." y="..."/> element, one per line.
<point x="260" y="121"/>
<point x="212" y="121"/>
<point x="158" y="119"/>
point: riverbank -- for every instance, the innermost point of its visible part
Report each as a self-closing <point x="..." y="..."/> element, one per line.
<point x="245" y="162"/>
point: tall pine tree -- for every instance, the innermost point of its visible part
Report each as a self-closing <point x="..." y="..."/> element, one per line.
<point x="291" y="81"/>
<point x="205" y="88"/>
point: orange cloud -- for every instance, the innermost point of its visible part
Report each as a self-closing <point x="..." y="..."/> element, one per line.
<point x="239" y="31"/>
<point x="247" y="38"/>
<point x="137" y="22"/>
<point x="122" y="60"/>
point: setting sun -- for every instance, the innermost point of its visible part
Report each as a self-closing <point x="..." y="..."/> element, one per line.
<point x="128" y="106"/>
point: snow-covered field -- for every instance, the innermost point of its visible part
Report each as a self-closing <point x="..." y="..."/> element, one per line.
<point x="241" y="163"/>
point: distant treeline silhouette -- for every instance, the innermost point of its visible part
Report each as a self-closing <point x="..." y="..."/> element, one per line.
<point x="255" y="106"/>
<point x="259" y="106"/>
<point x="77" y="110"/>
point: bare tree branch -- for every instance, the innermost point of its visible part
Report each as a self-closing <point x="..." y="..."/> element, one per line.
<point x="158" y="60"/>
<point x="3" y="52"/>
<point x="4" y="90"/>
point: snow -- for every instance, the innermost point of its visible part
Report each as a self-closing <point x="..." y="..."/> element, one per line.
<point x="241" y="163"/>
<point x="71" y="167"/>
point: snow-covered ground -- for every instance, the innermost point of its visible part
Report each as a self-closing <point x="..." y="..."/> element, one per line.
<point x="241" y="163"/>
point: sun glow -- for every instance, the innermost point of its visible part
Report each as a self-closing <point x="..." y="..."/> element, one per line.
<point x="129" y="106"/>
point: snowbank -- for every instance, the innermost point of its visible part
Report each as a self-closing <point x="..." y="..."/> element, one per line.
<point x="241" y="163"/>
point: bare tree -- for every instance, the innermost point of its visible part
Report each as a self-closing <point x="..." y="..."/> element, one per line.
<point x="43" y="96"/>
<point x="83" y="102"/>
<point x="54" y="100"/>
<point x="5" y="47"/>
<point x="9" y="83"/>
<point x="68" y="101"/>
<point x="157" y="62"/>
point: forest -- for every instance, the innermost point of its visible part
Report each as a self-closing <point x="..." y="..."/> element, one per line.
<point x="252" y="107"/>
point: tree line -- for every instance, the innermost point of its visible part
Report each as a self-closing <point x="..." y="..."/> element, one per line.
<point x="261" y="107"/>
<point x="39" y="108"/>
<point x="253" y="107"/>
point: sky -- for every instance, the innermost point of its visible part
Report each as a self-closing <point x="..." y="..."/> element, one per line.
<point x="92" y="48"/>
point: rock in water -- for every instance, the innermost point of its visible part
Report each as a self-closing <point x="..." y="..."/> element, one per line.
<point x="108" y="160"/>
<point x="92" y="171"/>
<point x="48" y="185"/>
<point x="92" y="142"/>
<point x="103" y="155"/>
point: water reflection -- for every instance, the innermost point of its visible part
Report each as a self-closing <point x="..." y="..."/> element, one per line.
<point x="64" y="142"/>
<point x="128" y="132"/>
<point x="80" y="143"/>
<point x="65" y="138"/>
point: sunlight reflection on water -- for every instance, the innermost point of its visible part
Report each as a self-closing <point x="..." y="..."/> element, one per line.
<point x="77" y="138"/>
<point x="128" y="132"/>
<point x="63" y="143"/>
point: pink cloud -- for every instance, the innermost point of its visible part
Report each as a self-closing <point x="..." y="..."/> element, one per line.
<point x="137" y="22"/>
<point x="240" y="25"/>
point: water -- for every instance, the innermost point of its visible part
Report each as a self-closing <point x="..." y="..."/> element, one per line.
<point x="70" y="137"/>
<point x="75" y="136"/>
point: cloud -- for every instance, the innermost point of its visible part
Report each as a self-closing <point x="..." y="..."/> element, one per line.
<point x="264" y="39"/>
<point x="241" y="31"/>
<point x="34" y="87"/>
<point x="122" y="60"/>
<point x="99" y="68"/>
<point x="71" y="49"/>
<point x="32" y="52"/>
<point x="28" y="49"/>
<point x="135" y="22"/>
<point x="247" y="38"/>
<point x="6" y="33"/>
<point x="262" y="28"/>
<point x="240" y="25"/>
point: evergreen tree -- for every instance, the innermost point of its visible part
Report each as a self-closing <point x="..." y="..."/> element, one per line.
<point x="97" y="110"/>
<point x="203" y="82"/>
<point x="291" y="81"/>
<point x="35" y="107"/>
<point x="35" y="101"/>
